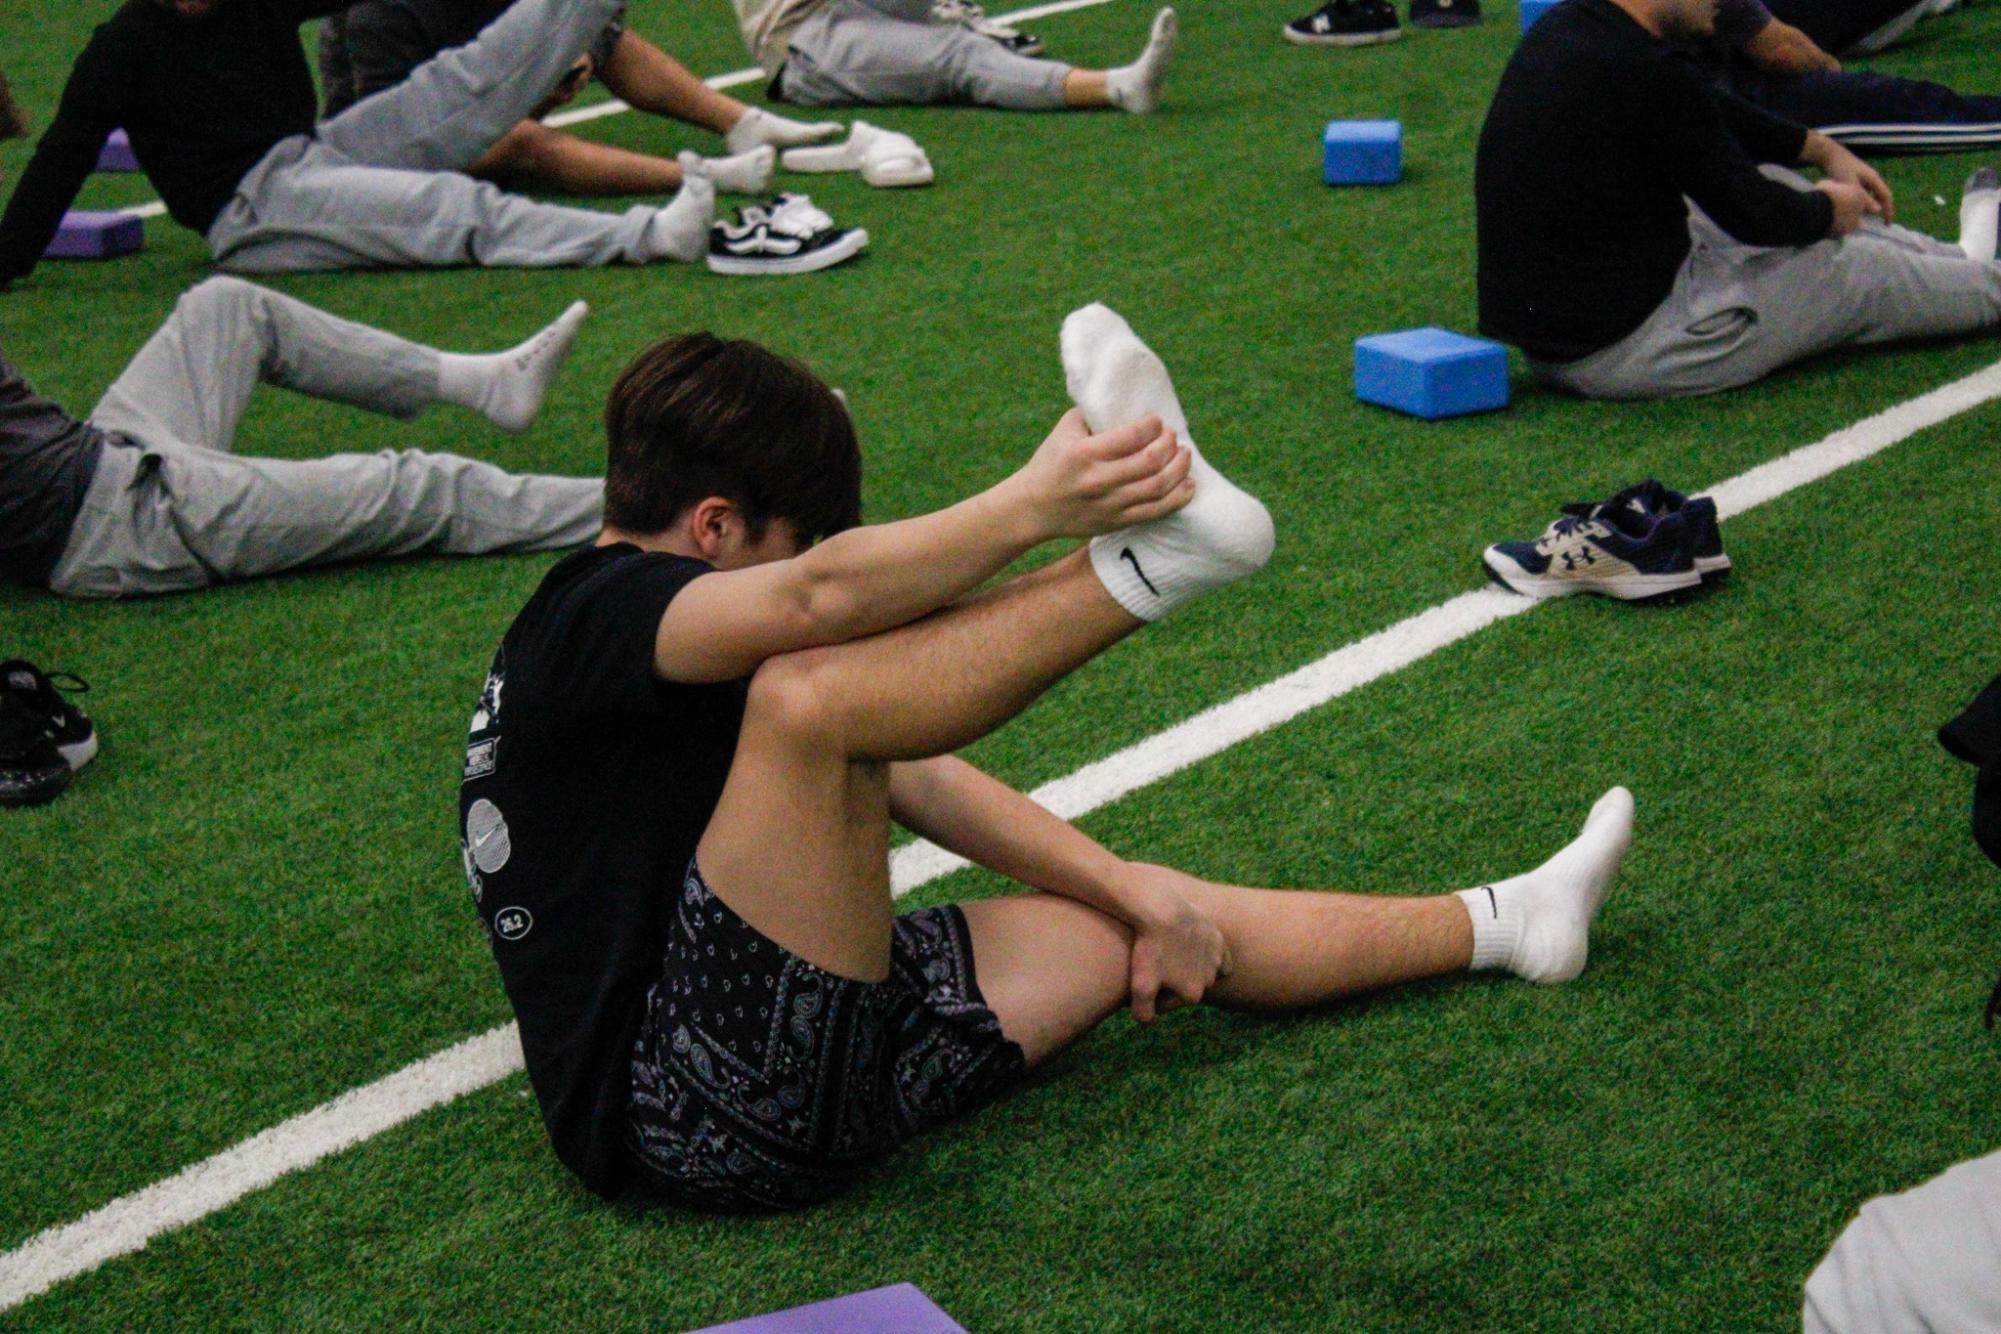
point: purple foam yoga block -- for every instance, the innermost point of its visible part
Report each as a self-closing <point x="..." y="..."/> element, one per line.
<point x="85" y="235"/>
<point x="897" y="1309"/>
<point x="116" y="155"/>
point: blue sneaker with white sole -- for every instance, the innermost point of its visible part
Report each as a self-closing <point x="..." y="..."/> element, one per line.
<point x="1620" y="552"/>
<point x="1699" y="512"/>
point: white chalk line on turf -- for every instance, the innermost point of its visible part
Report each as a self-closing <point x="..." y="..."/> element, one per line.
<point x="736" y="78"/>
<point x="126" y="1224"/>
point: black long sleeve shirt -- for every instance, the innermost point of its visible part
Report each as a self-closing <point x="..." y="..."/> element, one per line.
<point x="1598" y="135"/>
<point x="202" y="100"/>
<point x="47" y="460"/>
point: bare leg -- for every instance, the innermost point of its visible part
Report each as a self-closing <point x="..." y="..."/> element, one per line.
<point x="643" y="76"/>
<point x="533" y="156"/>
<point x="1084" y="88"/>
<point x="798" y="844"/>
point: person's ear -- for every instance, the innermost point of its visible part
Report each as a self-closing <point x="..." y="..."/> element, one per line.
<point x="713" y="524"/>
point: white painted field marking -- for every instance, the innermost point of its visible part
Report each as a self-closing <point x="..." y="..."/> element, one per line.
<point x="126" y="1224"/>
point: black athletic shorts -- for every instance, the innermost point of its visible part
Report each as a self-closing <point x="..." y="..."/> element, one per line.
<point x="760" y="1082"/>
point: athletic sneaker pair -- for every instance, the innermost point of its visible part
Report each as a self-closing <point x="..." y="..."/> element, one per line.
<point x="1372" y="22"/>
<point x="1645" y="542"/>
<point x="788" y="235"/>
<point x="969" y="15"/>
<point x="44" y="739"/>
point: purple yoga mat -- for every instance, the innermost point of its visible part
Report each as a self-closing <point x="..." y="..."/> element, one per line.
<point x="86" y="235"/>
<point x="116" y="155"/>
<point x="897" y="1309"/>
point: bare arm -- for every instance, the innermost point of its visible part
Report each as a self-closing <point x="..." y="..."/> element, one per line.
<point x="1780" y="48"/>
<point x="866" y="580"/>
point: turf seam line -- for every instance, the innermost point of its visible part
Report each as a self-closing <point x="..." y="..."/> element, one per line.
<point x="734" y="79"/>
<point x="126" y="1224"/>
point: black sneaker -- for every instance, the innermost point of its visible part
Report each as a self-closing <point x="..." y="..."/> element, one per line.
<point x="67" y="727"/>
<point x="1346" y="23"/>
<point x="32" y="771"/>
<point x="788" y="235"/>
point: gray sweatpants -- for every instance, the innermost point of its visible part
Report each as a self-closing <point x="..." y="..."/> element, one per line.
<point x="1738" y="312"/>
<point x="380" y="185"/>
<point x="889" y="52"/>
<point x="178" y="511"/>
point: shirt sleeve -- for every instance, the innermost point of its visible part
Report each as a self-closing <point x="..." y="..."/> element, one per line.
<point x="1709" y="144"/>
<point x="90" y="110"/>
<point x="606" y="629"/>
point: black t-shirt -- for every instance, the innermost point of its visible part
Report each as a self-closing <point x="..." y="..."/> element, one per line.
<point x="202" y="100"/>
<point x="47" y="459"/>
<point x="588" y="782"/>
<point x="1597" y="132"/>
<point x="376" y="44"/>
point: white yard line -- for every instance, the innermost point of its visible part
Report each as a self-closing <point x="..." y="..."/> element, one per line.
<point x="126" y="1224"/>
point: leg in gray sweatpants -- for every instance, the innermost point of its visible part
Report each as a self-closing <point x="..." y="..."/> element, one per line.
<point x="180" y="511"/>
<point x="380" y="184"/>
<point x="1737" y="313"/>
<point x="889" y="52"/>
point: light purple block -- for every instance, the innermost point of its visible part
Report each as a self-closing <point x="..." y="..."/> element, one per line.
<point x="897" y="1309"/>
<point x="116" y="155"/>
<point x="87" y="235"/>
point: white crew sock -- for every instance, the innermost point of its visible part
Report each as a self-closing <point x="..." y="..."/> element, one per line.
<point x="681" y="229"/>
<point x="1221" y="535"/>
<point x="760" y="127"/>
<point x="1980" y="214"/>
<point x="745" y="173"/>
<point x="1538" y="926"/>
<point x="1136" y="87"/>
<point x="507" y="388"/>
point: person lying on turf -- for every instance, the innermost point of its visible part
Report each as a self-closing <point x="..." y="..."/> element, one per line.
<point x="682" y="770"/>
<point x="376" y="44"/>
<point x="824" y="53"/>
<point x="219" y="104"/>
<point x="1592" y="260"/>
<point x="1773" y="65"/>
<point x="146" y="495"/>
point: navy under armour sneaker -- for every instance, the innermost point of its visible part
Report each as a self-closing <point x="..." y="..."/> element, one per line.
<point x="1620" y="552"/>
<point x="1652" y="497"/>
<point x="67" y="727"/>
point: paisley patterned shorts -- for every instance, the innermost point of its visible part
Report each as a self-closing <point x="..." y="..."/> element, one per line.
<point x="760" y="1082"/>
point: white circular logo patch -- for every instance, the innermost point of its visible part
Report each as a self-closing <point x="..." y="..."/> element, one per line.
<point x="486" y="836"/>
<point x="513" y="923"/>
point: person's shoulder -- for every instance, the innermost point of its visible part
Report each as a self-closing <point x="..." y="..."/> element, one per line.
<point x="614" y="570"/>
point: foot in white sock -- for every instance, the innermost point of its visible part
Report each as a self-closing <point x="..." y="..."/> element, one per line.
<point x="745" y="173"/>
<point x="1220" y="536"/>
<point x="1538" y="926"/>
<point x="507" y="388"/>
<point x="681" y="230"/>
<point x="1136" y="87"/>
<point x="759" y="127"/>
<point x="1980" y="215"/>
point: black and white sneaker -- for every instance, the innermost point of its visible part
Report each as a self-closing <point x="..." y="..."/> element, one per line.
<point x="788" y="235"/>
<point x="1346" y="23"/>
<point x="32" y="771"/>
<point x="67" y="727"/>
<point x="969" y="15"/>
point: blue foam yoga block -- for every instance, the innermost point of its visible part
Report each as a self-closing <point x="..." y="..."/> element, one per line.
<point x="116" y="155"/>
<point x="1431" y="373"/>
<point x="898" y="1309"/>
<point x="1362" y="152"/>
<point x="86" y="235"/>
<point x="1535" y="9"/>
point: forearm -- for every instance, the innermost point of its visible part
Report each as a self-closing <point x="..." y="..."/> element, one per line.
<point x="1779" y="48"/>
<point x="643" y="76"/>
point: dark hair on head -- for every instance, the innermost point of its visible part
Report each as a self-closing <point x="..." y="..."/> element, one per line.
<point x="696" y="416"/>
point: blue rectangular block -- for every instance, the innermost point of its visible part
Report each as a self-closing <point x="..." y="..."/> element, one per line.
<point x="1362" y="152"/>
<point x="897" y="1309"/>
<point x="1535" y="9"/>
<point x="1431" y="373"/>
<point x="116" y="155"/>
<point x="87" y="235"/>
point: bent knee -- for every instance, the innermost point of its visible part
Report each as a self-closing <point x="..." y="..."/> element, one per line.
<point x="791" y="694"/>
<point x="218" y="291"/>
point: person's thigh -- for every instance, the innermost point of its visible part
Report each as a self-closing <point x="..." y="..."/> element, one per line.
<point x="194" y="377"/>
<point x="1050" y="968"/>
<point x="852" y="54"/>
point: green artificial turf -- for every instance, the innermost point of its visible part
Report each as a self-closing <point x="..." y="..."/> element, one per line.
<point x="252" y="902"/>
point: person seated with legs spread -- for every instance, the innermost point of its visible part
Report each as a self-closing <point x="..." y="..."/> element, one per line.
<point x="219" y="104"/>
<point x="1602" y="135"/>
<point x="824" y="53"/>
<point x="682" y="770"/>
<point x="148" y="496"/>
<point x="376" y="44"/>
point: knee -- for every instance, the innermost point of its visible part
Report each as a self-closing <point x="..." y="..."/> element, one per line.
<point x="212" y="295"/>
<point x="525" y="151"/>
<point x="791" y="695"/>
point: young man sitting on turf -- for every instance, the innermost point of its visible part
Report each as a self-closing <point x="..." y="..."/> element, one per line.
<point x="377" y="44"/>
<point x="682" y="771"/>
<point x="1602" y="135"/>
<point x="146" y="496"/>
<point x="219" y="105"/>
<point x="824" y="53"/>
